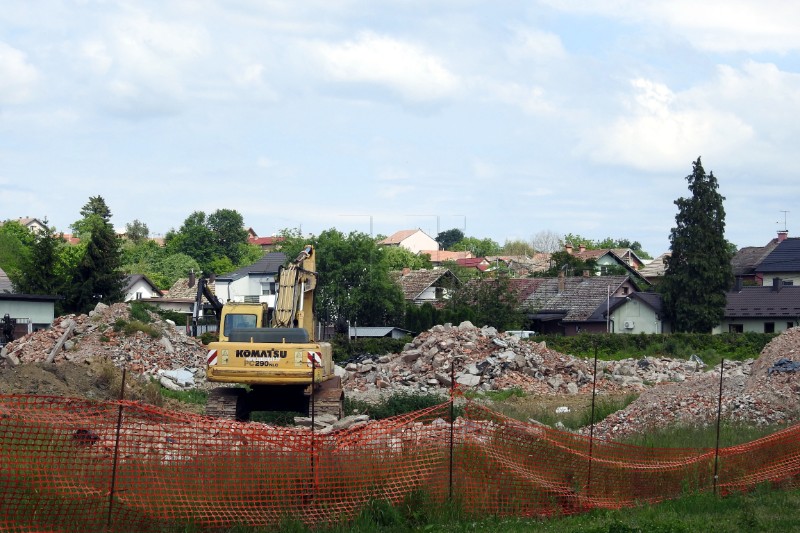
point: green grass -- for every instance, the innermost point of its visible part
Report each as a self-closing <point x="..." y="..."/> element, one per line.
<point x="731" y="434"/>
<point x="764" y="509"/>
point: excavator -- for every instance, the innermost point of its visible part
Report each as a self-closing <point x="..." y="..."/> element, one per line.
<point x="271" y="356"/>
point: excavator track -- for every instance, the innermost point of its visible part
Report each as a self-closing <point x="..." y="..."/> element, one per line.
<point x="328" y="398"/>
<point x="227" y="402"/>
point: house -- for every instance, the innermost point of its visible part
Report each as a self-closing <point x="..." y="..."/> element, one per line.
<point x="478" y="263"/>
<point x="252" y="283"/>
<point x="31" y="312"/>
<point x="773" y="308"/>
<point x="522" y="265"/>
<point x="425" y="286"/>
<point x="378" y="332"/>
<point x="268" y="244"/>
<point x="180" y="297"/>
<point x="570" y="305"/>
<point x="35" y="225"/>
<point x="414" y="240"/>
<point x="783" y="262"/>
<point x="606" y="259"/>
<point x="746" y="260"/>
<point x="653" y="271"/>
<point x="438" y="257"/>
<point x="139" y="287"/>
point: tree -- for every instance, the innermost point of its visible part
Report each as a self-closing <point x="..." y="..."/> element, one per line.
<point x="567" y="263"/>
<point x="398" y="258"/>
<point x="98" y="277"/>
<point x="698" y="272"/>
<point x="492" y="302"/>
<point x="478" y="247"/>
<point x="96" y="215"/>
<point x="137" y="231"/>
<point x="518" y="247"/>
<point x="209" y="239"/>
<point x="37" y="271"/>
<point x="547" y="241"/>
<point x="16" y="242"/>
<point x="353" y="282"/>
<point x="447" y="239"/>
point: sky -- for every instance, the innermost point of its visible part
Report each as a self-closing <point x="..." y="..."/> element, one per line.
<point x="501" y="118"/>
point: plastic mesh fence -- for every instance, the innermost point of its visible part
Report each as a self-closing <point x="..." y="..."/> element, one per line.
<point x="77" y="465"/>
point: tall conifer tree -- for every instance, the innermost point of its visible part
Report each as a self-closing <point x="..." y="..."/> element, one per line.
<point x="699" y="270"/>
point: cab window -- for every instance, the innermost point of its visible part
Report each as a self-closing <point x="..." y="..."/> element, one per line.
<point x="234" y="321"/>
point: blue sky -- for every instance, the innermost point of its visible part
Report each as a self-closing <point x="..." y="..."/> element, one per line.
<point x="505" y="118"/>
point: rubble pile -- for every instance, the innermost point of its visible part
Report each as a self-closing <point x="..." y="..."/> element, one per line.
<point x="761" y="392"/>
<point x="484" y="359"/>
<point x="77" y="338"/>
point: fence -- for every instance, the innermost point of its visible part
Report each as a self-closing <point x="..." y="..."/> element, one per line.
<point x="79" y="465"/>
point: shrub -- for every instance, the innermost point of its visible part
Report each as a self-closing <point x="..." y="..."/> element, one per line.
<point x="132" y="327"/>
<point x="209" y="337"/>
<point x="141" y="311"/>
<point x="396" y="404"/>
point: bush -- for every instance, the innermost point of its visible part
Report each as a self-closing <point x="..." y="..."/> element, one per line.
<point x="141" y="311"/>
<point x="397" y="404"/>
<point x="132" y="327"/>
<point x="208" y="337"/>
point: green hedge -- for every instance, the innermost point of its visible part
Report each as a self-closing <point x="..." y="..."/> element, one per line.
<point x="710" y="348"/>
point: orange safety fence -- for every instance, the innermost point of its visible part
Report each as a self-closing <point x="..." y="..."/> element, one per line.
<point x="78" y="465"/>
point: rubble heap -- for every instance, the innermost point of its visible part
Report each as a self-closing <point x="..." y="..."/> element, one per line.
<point x="77" y="338"/>
<point x="752" y="393"/>
<point x="484" y="359"/>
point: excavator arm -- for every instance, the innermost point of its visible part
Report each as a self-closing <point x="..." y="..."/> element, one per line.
<point x="295" y="299"/>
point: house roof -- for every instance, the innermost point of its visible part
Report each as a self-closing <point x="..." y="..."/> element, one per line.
<point x="5" y="283"/>
<point x="268" y="264"/>
<point x="439" y="256"/>
<point x="745" y="261"/>
<point x="785" y="257"/>
<point x="181" y="290"/>
<point x="265" y="241"/>
<point x="473" y="262"/>
<point x="399" y="236"/>
<point x="376" y="331"/>
<point x="132" y="280"/>
<point x="625" y="255"/>
<point x="415" y="282"/>
<point x="656" y="267"/>
<point x="579" y="299"/>
<point x="764" y="302"/>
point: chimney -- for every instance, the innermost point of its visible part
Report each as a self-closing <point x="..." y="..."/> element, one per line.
<point x="581" y="248"/>
<point x="737" y="286"/>
<point x="568" y="248"/>
<point x="406" y="271"/>
<point x="776" y="284"/>
<point x="191" y="278"/>
<point x="561" y="282"/>
<point x="782" y="234"/>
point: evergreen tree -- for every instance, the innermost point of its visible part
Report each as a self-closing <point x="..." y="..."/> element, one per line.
<point x="37" y="272"/>
<point x="699" y="270"/>
<point x="98" y="277"/>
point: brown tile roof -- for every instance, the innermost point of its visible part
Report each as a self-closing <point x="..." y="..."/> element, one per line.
<point x="746" y="260"/>
<point x="438" y="256"/>
<point x="181" y="290"/>
<point x="579" y="299"/>
<point x="414" y="282"/>
<point x="656" y="267"/>
<point x="399" y="236"/>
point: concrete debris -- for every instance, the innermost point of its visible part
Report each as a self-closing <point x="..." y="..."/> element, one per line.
<point x="99" y="335"/>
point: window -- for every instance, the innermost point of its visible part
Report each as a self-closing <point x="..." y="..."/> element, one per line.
<point x="138" y="295"/>
<point x="238" y="322"/>
<point x="268" y="288"/>
<point x="769" y="327"/>
<point x="735" y="328"/>
<point x="789" y="325"/>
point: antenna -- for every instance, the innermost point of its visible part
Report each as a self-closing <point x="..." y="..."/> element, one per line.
<point x="784" y="220"/>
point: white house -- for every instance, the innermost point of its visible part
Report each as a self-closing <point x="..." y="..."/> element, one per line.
<point x="253" y="283"/>
<point x="139" y="287"/>
<point x="414" y="240"/>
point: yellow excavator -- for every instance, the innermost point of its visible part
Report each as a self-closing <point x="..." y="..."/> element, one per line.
<point x="273" y="355"/>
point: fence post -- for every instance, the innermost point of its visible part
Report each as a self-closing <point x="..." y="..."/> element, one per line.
<point x="719" y="416"/>
<point x="313" y="422"/>
<point x="116" y="451"/>
<point x="452" y="421"/>
<point x="591" y="423"/>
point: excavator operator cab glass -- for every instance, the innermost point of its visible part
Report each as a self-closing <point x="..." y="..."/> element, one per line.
<point x="238" y="321"/>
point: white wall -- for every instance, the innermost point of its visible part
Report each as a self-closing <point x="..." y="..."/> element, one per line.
<point x="142" y="287"/>
<point x="756" y="325"/>
<point x="642" y="316"/>
<point x="419" y="241"/>
<point x="39" y="312"/>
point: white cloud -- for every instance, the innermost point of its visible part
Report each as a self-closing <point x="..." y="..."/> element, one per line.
<point x="17" y="76"/>
<point x="531" y="99"/>
<point x="663" y="130"/>
<point x="536" y="44"/>
<point x="403" y="67"/>
<point x="712" y="25"/>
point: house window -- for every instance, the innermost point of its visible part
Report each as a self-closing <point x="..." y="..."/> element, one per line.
<point x="735" y="328"/>
<point x="138" y="295"/>
<point x="624" y="290"/>
<point x="769" y="327"/>
<point x="788" y="282"/>
<point x="268" y="288"/>
<point x="789" y="325"/>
